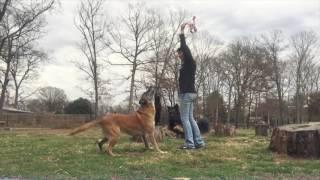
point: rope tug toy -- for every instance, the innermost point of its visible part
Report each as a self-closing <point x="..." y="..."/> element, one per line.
<point x="192" y="25"/>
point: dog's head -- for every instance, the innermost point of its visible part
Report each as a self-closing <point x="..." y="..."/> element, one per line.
<point x="148" y="96"/>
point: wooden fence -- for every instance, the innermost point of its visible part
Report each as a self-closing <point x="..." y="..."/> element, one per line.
<point x="40" y="120"/>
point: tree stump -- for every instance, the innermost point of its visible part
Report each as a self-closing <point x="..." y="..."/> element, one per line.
<point x="224" y="130"/>
<point x="261" y="128"/>
<point x="299" y="140"/>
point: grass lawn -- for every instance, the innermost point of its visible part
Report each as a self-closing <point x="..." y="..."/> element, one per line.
<point x="52" y="154"/>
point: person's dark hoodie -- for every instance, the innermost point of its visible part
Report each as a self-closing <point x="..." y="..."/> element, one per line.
<point x="188" y="69"/>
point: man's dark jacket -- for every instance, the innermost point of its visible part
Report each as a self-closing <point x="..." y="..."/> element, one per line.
<point x="188" y="69"/>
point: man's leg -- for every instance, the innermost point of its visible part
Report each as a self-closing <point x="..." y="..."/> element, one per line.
<point x="184" y="113"/>
<point x="198" y="141"/>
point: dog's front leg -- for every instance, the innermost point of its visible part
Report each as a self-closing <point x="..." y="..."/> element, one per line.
<point x="111" y="142"/>
<point x="154" y="142"/>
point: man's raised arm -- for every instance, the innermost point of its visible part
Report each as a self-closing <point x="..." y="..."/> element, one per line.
<point x="183" y="45"/>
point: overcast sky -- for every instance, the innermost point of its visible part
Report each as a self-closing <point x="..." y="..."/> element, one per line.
<point x="226" y="19"/>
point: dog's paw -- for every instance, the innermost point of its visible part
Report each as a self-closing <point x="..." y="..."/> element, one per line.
<point x="114" y="155"/>
<point x="163" y="152"/>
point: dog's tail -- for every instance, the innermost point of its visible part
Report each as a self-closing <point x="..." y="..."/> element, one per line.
<point x="84" y="127"/>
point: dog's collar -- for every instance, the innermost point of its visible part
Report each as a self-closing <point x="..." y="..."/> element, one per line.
<point x="139" y="112"/>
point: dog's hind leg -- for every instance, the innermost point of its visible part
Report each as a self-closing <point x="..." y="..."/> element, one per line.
<point x="101" y="142"/>
<point x="146" y="144"/>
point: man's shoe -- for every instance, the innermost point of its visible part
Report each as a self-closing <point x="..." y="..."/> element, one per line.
<point x="200" y="146"/>
<point x="186" y="147"/>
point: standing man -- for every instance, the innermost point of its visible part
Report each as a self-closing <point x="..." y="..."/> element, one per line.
<point x="187" y="95"/>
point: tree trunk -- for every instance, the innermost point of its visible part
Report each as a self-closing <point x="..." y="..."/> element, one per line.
<point x="217" y="113"/>
<point x="96" y="105"/>
<point x="16" y="98"/>
<point x="134" y="68"/>
<point x="256" y="108"/>
<point x="309" y="112"/>
<point x="249" y="113"/>
<point x="229" y="105"/>
<point x="280" y="102"/>
<point x="261" y="128"/>
<point x="204" y="108"/>
<point x="6" y="74"/>
<point x="237" y="114"/>
<point x="298" y="102"/>
<point x="237" y="108"/>
<point x="288" y="110"/>
<point x="300" y="140"/>
<point x="224" y="130"/>
<point x="4" y="85"/>
<point x="4" y="8"/>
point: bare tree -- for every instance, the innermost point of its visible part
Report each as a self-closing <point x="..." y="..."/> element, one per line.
<point x="222" y="63"/>
<point x="205" y="48"/>
<point x="303" y="44"/>
<point x="7" y="60"/>
<point x="24" y="68"/>
<point x="92" y="26"/>
<point x="249" y="69"/>
<point x="317" y="79"/>
<point x="172" y="79"/>
<point x="129" y="37"/>
<point x="174" y="21"/>
<point x="16" y="23"/>
<point x="159" y="36"/>
<point x="275" y="45"/>
<point x="4" y="8"/>
<point x="311" y="80"/>
<point x="21" y="17"/>
<point x="53" y="99"/>
<point x="163" y="42"/>
<point x="26" y="58"/>
<point x="34" y="105"/>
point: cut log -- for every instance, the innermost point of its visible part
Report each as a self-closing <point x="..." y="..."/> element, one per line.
<point x="225" y="130"/>
<point x="299" y="140"/>
<point x="3" y="123"/>
<point x="261" y="128"/>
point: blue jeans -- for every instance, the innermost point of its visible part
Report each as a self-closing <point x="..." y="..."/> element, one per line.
<point x="191" y="130"/>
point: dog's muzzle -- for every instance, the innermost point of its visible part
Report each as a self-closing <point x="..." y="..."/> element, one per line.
<point x="147" y="96"/>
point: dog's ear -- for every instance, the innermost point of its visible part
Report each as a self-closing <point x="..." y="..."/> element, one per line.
<point x="151" y="91"/>
<point x="176" y="107"/>
<point x="142" y="101"/>
<point x="148" y="89"/>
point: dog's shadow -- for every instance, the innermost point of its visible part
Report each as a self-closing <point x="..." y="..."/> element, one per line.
<point x="128" y="150"/>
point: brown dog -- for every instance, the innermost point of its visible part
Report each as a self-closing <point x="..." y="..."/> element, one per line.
<point x="140" y="122"/>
